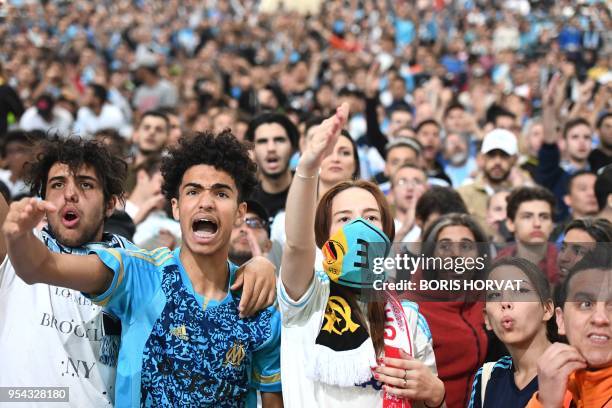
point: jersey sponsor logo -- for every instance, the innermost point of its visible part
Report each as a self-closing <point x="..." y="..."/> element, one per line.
<point x="180" y="332"/>
<point x="235" y="355"/>
<point x="338" y="316"/>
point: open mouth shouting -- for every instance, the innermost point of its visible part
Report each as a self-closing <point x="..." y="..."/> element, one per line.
<point x="273" y="162"/>
<point x="204" y="228"/>
<point x="70" y="217"/>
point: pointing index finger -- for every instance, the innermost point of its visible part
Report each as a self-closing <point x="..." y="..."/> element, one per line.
<point x="43" y="205"/>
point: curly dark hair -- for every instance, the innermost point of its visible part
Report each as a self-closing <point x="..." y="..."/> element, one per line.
<point x="76" y="152"/>
<point x="528" y="193"/>
<point x="222" y="151"/>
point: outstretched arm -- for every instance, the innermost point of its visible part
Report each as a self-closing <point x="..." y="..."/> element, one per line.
<point x="33" y="261"/>
<point x="299" y="255"/>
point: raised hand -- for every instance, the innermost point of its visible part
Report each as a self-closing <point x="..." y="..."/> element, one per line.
<point x="24" y="215"/>
<point x="323" y="140"/>
<point x="372" y="80"/>
<point x="549" y="114"/>
<point x="256" y="250"/>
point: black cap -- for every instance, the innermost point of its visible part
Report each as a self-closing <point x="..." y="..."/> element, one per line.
<point x="256" y="208"/>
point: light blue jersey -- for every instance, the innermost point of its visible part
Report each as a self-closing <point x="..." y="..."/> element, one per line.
<point x="180" y="349"/>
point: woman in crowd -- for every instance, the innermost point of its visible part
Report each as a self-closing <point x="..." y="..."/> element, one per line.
<point x="331" y="338"/>
<point x="518" y="317"/>
<point x="454" y="316"/>
<point x="341" y="165"/>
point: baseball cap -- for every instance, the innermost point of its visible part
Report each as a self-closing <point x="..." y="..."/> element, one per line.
<point x="256" y="208"/>
<point x="500" y="139"/>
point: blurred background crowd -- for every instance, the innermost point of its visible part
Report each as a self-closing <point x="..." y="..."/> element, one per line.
<point x="497" y="109"/>
<point x="426" y="81"/>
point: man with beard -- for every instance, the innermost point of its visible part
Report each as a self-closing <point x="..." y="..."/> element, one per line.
<point x="52" y="336"/>
<point x="498" y="156"/>
<point x="275" y="139"/>
<point x="184" y="341"/>
<point x="151" y="135"/>
<point x="459" y="165"/>
<point x="150" y="138"/>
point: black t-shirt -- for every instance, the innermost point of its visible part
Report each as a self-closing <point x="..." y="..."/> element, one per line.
<point x="271" y="202"/>
<point x="598" y="159"/>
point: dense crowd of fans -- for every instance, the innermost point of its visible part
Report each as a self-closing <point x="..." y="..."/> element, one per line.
<point x="474" y="129"/>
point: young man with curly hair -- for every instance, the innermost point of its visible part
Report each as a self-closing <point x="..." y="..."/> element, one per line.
<point x="50" y="335"/>
<point x="183" y="339"/>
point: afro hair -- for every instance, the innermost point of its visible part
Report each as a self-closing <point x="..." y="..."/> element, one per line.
<point x="222" y="151"/>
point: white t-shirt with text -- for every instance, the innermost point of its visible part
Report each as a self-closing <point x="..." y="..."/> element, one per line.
<point x="51" y="337"/>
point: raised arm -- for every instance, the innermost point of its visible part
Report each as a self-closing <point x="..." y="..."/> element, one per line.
<point x="33" y="261"/>
<point x="374" y="137"/>
<point x="549" y="108"/>
<point x="299" y="255"/>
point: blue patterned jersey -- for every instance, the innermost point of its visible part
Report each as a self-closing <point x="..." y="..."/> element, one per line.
<point x="179" y="349"/>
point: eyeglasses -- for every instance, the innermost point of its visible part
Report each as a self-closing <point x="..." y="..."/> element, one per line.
<point x="255" y="223"/>
<point x="410" y="182"/>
